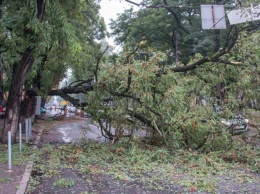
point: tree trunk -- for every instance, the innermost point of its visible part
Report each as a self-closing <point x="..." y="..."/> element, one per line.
<point x="15" y="96"/>
<point x="20" y="70"/>
<point x="1" y="66"/>
<point x="1" y="82"/>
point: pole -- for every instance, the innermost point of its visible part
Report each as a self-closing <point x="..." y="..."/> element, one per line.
<point x="9" y="150"/>
<point x="26" y="130"/>
<point x="30" y="126"/>
<point x="20" y="137"/>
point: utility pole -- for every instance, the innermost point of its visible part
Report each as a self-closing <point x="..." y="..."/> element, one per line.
<point x="219" y="86"/>
<point x="216" y="34"/>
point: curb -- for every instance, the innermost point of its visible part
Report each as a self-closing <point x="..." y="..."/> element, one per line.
<point x="28" y="169"/>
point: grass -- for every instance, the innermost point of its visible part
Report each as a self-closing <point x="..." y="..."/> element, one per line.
<point x="4" y="180"/>
<point x="64" y="182"/>
<point x="17" y="157"/>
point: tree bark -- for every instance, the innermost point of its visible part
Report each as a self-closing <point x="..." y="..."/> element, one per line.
<point x="15" y="96"/>
<point x="1" y="66"/>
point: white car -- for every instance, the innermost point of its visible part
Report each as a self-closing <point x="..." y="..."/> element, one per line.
<point x="71" y="109"/>
<point x="236" y="125"/>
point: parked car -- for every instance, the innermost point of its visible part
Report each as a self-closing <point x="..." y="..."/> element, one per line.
<point x="236" y="125"/>
<point x="82" y="113"/>
<point x="2" y="111"/>
<point x="72" y="109"/>
<point x="43" y="111"/>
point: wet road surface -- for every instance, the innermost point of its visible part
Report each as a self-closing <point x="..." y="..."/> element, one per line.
<point x="75" y="129"/>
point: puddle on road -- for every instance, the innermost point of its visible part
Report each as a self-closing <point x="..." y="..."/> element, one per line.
<point x="65" y="131"/>
<point x="77" y="131"/>
<point x="73" y="132"/>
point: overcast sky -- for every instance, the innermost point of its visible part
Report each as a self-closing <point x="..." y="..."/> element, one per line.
<point x="110" y="9"/>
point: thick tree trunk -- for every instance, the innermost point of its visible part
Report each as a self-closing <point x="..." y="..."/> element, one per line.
<point x="15" y="96"/>
<point x="21" y="69"/>
<point x="64" y="93"/>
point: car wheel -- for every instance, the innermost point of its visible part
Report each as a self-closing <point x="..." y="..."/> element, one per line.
<point x="231" y="131"/>
<point x="247" y="128"/>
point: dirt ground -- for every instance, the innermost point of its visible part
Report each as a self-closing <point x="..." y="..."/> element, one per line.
<point x="105" y="184"/>
<point x="10" y="180"/>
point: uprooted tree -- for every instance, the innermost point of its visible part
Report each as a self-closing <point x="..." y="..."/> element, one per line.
<point x="161" y="96"/>
<point x="165" y="101"/>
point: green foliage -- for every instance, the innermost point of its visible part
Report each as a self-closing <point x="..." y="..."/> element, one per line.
<point x="64" y="183"/>
<point x="246" y="75"/>
<point x="160" y="29"/>
<point x="32" y="183"/>
<point x="147" y="95"/>
<point x="164" y="105"/>
<point x="65" y="38"/>
<point x="245" y="155"/>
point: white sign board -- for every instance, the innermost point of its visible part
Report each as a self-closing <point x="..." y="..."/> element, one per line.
<point x="213" y="17"/>
<point x="239" y="16"/>
<point x="38" y="105"/>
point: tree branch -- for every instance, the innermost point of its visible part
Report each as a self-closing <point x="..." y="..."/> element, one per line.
<point x="98" y="61"/>
<point x="214" y="58"/>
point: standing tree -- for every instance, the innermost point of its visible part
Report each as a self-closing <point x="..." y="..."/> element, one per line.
<point x="43" y="32"/>
<point x="23" y="66"/>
